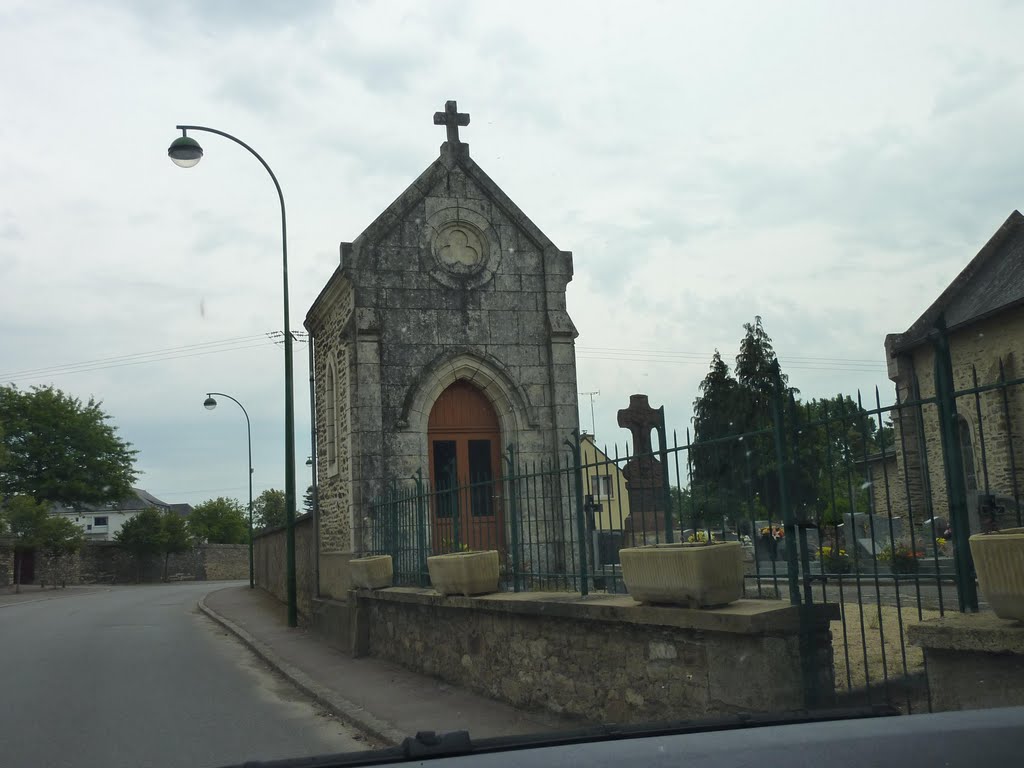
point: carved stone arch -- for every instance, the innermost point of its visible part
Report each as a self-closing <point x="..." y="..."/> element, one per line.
<point x="515" y="412"/>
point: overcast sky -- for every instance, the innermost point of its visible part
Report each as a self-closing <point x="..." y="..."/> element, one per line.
<point x="828" y="166"/>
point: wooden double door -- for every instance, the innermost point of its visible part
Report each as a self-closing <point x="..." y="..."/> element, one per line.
<point x="464" y="441"/>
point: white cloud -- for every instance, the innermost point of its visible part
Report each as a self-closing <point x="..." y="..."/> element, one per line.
<point x="828" y="166"/>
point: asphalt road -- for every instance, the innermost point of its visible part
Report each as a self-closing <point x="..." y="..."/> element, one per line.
<point x="136" y="676"/>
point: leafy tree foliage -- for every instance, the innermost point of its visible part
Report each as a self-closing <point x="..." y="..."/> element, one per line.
<point x="150" y="533"/>
<point x="308" y="500"/>
<point x="268" y="509"/>
<point x="142" y="536"/>
<point x="57" y="448"/>
<point x="59" y="539"/>
<point x="219" y="521"/>
<point x="174" y="536"/>
<point x="735" y="461"/>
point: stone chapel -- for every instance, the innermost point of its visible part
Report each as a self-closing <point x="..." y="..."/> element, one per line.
<point x="442" y="334"/>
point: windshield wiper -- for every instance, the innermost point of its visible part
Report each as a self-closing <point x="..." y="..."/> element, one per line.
<point x="427" y="745"/>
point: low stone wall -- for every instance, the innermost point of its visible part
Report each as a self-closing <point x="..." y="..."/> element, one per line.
<point x="605" y="659"/>
<point x="269" y="557"/>
<point x="974" y="660"/>
<point x="106" y="562"/>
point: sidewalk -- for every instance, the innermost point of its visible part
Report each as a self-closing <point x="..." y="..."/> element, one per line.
<point x="387" y="701"/>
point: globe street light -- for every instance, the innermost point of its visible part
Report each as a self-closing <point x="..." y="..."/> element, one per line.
<point x="186" y="152"/>
<point x="209" y="404"/>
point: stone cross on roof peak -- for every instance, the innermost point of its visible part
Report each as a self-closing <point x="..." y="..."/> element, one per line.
<point x="452" y="119"/>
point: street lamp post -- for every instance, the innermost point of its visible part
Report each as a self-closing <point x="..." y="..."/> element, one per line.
<point x="209" y="404"/>
<point x="186" y="152"/>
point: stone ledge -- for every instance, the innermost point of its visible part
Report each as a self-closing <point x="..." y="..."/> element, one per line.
<point x="744" y="617"/>
<point x="983" y="632"/>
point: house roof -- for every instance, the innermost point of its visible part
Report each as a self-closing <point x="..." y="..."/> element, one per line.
<point x="136" y="502"/>
<point x="992" y="282"/>
<point x="182" y="509"/>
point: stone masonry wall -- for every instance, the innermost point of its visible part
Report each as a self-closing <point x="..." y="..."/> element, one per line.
<point x="105" y="562"/>
<point x="334" y="479"/>
<point x="981" y="345"/>
<point x="333" y="347"/>
<point x="224" y="562"/>
<point x="590" y="661"/>
<point x="269" y="556"/>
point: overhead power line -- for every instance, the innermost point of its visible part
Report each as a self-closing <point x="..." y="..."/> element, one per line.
<point x="693" y="358"/>
<point x="140" y="358"/>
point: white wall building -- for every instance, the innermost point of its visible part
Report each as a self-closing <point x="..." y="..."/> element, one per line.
<point x="101" y="522"/>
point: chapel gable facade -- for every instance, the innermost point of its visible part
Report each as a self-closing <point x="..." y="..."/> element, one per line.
<point x="441" y="339"/>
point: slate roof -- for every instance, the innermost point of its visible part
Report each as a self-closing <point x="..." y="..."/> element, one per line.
<point x="993" y="281"/>
<point x="138" y="501"/>
<point x="182" y="509"/>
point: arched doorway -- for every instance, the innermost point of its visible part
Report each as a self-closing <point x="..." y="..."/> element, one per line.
<point x="464" y="442"/>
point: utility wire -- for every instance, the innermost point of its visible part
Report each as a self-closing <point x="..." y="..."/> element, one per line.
<point x="168" y="350"/>
<point x="629" y="358"/>
<point x="706" y="356"/>
<point x="265" y="344"/>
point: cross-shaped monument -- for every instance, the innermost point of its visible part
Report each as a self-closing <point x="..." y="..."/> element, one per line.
<point x="452" y="119"/>
<point x="644" y="481"/>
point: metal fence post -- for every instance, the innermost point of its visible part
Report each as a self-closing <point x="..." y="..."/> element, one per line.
<point x="663" y="454"/>
<point x="788" y="522"/>
<point x="953" y="463"/>
<point x="421" y="530"/>
<point x="581" y="523"/>
<point x="513" y="514"/>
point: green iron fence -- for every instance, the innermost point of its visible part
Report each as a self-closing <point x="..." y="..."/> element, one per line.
<point x="864" y="505"/>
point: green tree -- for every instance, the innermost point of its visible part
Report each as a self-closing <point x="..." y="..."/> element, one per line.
<point x="174" y="536"/>
<point x="268" y="509"/>
<point x="717" y="456"/>
<point x="59" y="538"/>
<point x="59" y="449"/>
<point x="219" y="521"/>
<point x="24" y="519"/>
<point x="142" y="536"/>
<point x="308" y="501"/>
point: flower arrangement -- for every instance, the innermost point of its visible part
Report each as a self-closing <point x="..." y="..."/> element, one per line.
<point x="835" y="560"/>
<point x="701" y="537"/>
<point x="900" y="557"/>
<point x="771" y="535"/>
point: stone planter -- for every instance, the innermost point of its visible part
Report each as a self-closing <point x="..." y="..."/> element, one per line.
<point x="375" y="572"/>
<point x="464" y="573"/>
<point x="694" y="575"/>
<point x="999" y="563"/>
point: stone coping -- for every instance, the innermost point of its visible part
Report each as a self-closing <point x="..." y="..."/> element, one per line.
<point x="984" y="632"/>
<point x="744" y="617"/>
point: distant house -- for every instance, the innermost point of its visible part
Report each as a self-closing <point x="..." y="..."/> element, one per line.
<point x="983" y="313"/>
<point x="604" y="482"/>
<point x="101" y="522"/>
<point x="607" y="502"/>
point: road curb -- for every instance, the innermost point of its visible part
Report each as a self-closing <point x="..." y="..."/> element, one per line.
<point x="338" y="705"/>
